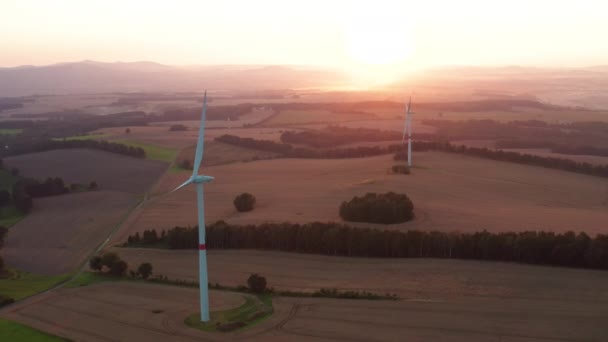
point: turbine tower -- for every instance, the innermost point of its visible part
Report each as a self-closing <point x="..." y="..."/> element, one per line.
<point x="198" y="180"/>
<point x="407" y="129"/>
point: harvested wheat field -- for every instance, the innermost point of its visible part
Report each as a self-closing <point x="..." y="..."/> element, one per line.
<point x="411" y="279"/>
<point x="120" y="311"/>
<point x="125" y="311"/>
<point x="111" y="171"/>
<point x="217" y="153"/>
<point x="61" y="231"/>
<point x="450" y="192"/>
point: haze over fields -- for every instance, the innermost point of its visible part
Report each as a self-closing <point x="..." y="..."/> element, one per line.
<point x="381" y="170"/>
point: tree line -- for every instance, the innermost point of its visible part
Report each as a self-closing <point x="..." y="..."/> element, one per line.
<point x="47" y="145"/>
<point x="288" y="151"/>
<point x="531" y="247"/>
<point x="554" y="147"/>
<point x="336" y="135"/>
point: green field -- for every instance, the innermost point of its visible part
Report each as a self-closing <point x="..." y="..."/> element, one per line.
<point x="22" y="284"/>
<point x="89" y="278"/>
<point x="9" y="215"/>
<point x="252" y="312"/>
<point x="10" y="131"/>
<point x="7" y="180"/>
<point x="153" y="152"/>
<point x="15" y="332"/>
<point x="83" y="137"/>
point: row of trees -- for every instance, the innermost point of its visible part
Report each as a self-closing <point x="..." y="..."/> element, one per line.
<point x="47" y="145"/>
<point x="336" y="135"/>
<point x="532" y="247"/>
<point x="378" y="208"/>
<point x="289" y="151"/>
<point x="513" y="157"/>
<point x="556" y="148"/>
<point x="114" y="265"/>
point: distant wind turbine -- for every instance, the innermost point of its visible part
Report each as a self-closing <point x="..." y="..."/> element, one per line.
<point x="202" y="250"/>
<point x="407" y="129"/>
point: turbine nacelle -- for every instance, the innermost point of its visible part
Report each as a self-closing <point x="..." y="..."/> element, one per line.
<point x="199" y="179"/>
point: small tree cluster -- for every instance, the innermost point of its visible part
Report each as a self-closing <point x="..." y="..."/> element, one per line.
<point x="378" y="208"/>
<point x="186" y="164"/>
<point x="149" y="237"/>
<point x="178" y="128"/>
<point x="256" y="283"/>
<point x="401" y="169"/>
<point x="111" y="261"/>
<point x="244" y="202"/>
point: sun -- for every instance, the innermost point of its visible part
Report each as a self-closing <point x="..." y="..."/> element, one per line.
<point x="379" y="39"/>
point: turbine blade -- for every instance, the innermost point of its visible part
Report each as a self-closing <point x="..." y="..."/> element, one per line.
<point x="201" y="139"/>
<point x="183" y="185"/>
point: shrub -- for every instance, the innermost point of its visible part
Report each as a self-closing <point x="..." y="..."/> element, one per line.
<point x="118" y="268"/>
<point x="186" y="164"/>
<point x="93" y="185"/>
<point x="145" y="270"/>
<point x="5" y="198"/>
<point x="109" y="259"/>
<point x="6" y="300"/>
<point x="256" y="283"/>
<point x="95" y="263"/>
<point x="3" y="234"/>
<point x="401" y="169"/>
<point x="244" y="202"/>
<point x="177" y="128"/>
<point x="378" y="208"/>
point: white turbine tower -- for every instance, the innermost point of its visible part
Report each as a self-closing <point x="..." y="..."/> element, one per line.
<point x="202" y="250"/>
<point x="407" y="129"/>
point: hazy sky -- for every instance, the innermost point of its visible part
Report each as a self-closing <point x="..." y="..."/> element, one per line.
<point x="389" y="34"/>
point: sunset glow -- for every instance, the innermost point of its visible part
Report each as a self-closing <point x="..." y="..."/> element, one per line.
<point x="350" y="34"/>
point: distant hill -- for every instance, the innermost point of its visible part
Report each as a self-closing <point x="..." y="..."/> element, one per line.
<point x="95" y="77"/>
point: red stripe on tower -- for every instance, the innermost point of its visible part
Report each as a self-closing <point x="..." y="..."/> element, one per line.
<point x="202" y="247"/>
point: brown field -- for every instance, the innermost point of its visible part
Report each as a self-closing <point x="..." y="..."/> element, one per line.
<point x="119" y="311"/>
<point x="543" y="152"/>
<point x="294" y="117"/>
<point x="111" y="171"/>
<point x="450" y="192"/>
<point x="217" y="153"/>
<point x="411" y="279"/>
<point x="449" y="301"/>
<point x="61" y="231"/>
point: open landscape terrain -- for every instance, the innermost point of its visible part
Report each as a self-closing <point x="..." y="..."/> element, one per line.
<point x="437" y="299"/>
<point x="450" y="192"/>
<point x="442" y="300"/>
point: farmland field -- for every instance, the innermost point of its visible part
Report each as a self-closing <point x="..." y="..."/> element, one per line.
<point x="61" y="231"/>
<point x="443" y="300"/>
<point x="111" y="171"/>
<point x="450" y="193"/>
<point x="120" y="312"/>
<point x="217" y="153"/>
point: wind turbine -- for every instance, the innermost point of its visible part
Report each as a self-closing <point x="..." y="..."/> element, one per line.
<point x="407" y="129"/>
<point x="199" y="180"/>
